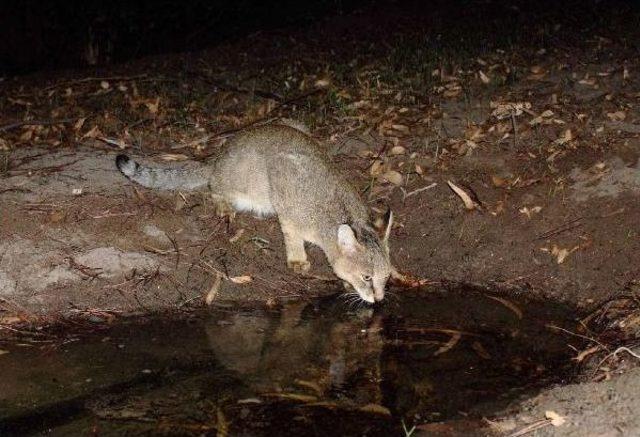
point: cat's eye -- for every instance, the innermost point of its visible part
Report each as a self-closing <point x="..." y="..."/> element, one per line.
<point x="366" y="278"/>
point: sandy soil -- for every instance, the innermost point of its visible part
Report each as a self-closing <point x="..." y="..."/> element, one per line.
<point x="557" y="180"/>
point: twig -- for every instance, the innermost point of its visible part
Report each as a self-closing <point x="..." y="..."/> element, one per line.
<point x="560" y="229"/>
<point x="95" y="79"/>
<point x="577" y="335"/>
<point x="177" y="249"/>
<point x="531" y="427"/>
<point x="16" y="124"/>
<point x="515" y="130"/>
<point x="405" y="195"/>
<point x="614" y="354"/>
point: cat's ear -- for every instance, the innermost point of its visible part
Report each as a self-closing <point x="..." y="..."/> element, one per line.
<point x="347" y="239"/>
<point x="387" y="224"/>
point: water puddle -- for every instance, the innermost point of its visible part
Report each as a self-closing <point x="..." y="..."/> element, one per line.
<point x="302" y="369"/>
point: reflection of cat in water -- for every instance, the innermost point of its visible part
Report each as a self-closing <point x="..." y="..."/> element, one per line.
<point x="278" y="353"/>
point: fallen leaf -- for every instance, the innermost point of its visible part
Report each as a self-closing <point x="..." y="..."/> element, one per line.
<point x="469" y="203"/>
<point x="480" y="350"/>
<point x="78" y="124"/>
<point x="393" y="176"/>
<point x="499" y="182"/>
<point x="542" y="118"/>
<point x="561" y="254"/>
<point x="397" y="150"/>
<point x="222" y="424"/>
<point x="530" y="211"/>
<point x="309" y="384"/>
<point x="153" y="105"/>
<point x="27" y="135"/>
<point x="585" y="353"/>
<point x="617" y="116"/>
<point x="3" y="352"/>
<point x="509" y="109"/>
<point x="555" y="418"/>
<point x="566" y="137"/>
<point x="241" y="279"/>
<point x="93" y="132"/>
<point x="236" y="236"/>
<point x="483" y="77"/>
<point x="173" y="157"/>
<point x="513" y="307"/>
<point x="455" y="338"/>
<point x="213" y="290"/>
<point x="322" y="83"/>
<point x="376" y="168"/>
<point x="376" y="409"/>
<point x="400" y="127"/>
<point x="293" y="396"/>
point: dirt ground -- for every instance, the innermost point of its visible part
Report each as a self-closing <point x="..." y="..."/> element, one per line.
<point x="541" y="129"/>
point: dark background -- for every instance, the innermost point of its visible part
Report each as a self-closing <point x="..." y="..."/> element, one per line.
<point x="38" y="35"/>
<point x="53" y="34"/>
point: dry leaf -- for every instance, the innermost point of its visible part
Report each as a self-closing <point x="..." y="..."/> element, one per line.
<point x="27" y="135"/>
<point x="469" y="203"/>
<point x="617" y="116"/>
<point x="555" y="418"/>
<point x="397" y="150"/>
<point x="542" y="118"/>
<point x="78" y="124"/>
<point x="236" y="236"/>
<point x="513" y="307"/>
<point x="483" y="77"/>
<point x="222" y="424"/>
<point x="93" y="133"/>
<point x="480" y="350"/>
<point x="375" y="408"/>
<point x="293" y="396"/>
<point x="455" y="338"/>
<point x="530" y="211"/>
<point x="322" y="83"/>
<point x="561" y="254"/>
<point x="585" y="353"/>
<point x="566" y="137"/>
<point x="2" y="352"/>
<point x="213" y="290"/>
<point x="310" y="384"/>
<point x="499" y="182"/>
<point x="509" y="109"/>
<point x="241" y="279"/>
<point x="153" y="105"/>
<point x="400" y="127"/>
<point x="173" y="157"/>
<point x="376" y="168"/>
<point x="393" y="176"/>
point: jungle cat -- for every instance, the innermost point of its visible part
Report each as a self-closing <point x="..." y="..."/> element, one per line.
<point x="279" y="169"/>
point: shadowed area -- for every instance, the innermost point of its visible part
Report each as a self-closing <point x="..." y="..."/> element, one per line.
<point x="292" y="369"/>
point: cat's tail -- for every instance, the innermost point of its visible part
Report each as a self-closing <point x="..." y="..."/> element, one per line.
<point x="164" y="178"/>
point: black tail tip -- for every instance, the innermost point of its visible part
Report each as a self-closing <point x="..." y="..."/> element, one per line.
<point x="121" y="161"/>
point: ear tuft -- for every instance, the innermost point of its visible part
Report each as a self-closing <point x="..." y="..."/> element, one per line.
<point x="388" y="224"/>
<point x="347" y="239"/>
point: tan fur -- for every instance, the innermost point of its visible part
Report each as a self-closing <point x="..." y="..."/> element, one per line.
<point x="279" y="169"/>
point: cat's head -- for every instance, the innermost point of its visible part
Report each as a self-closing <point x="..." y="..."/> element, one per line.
<point x="363" y="258"/>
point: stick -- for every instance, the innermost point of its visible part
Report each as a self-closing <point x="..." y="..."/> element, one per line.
<point x="95" y="79"/>
<point x="16" y="124"/>
<point x="419" y="190"/>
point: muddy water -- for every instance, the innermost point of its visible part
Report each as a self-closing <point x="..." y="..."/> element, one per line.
<point x="319" y="368"/>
